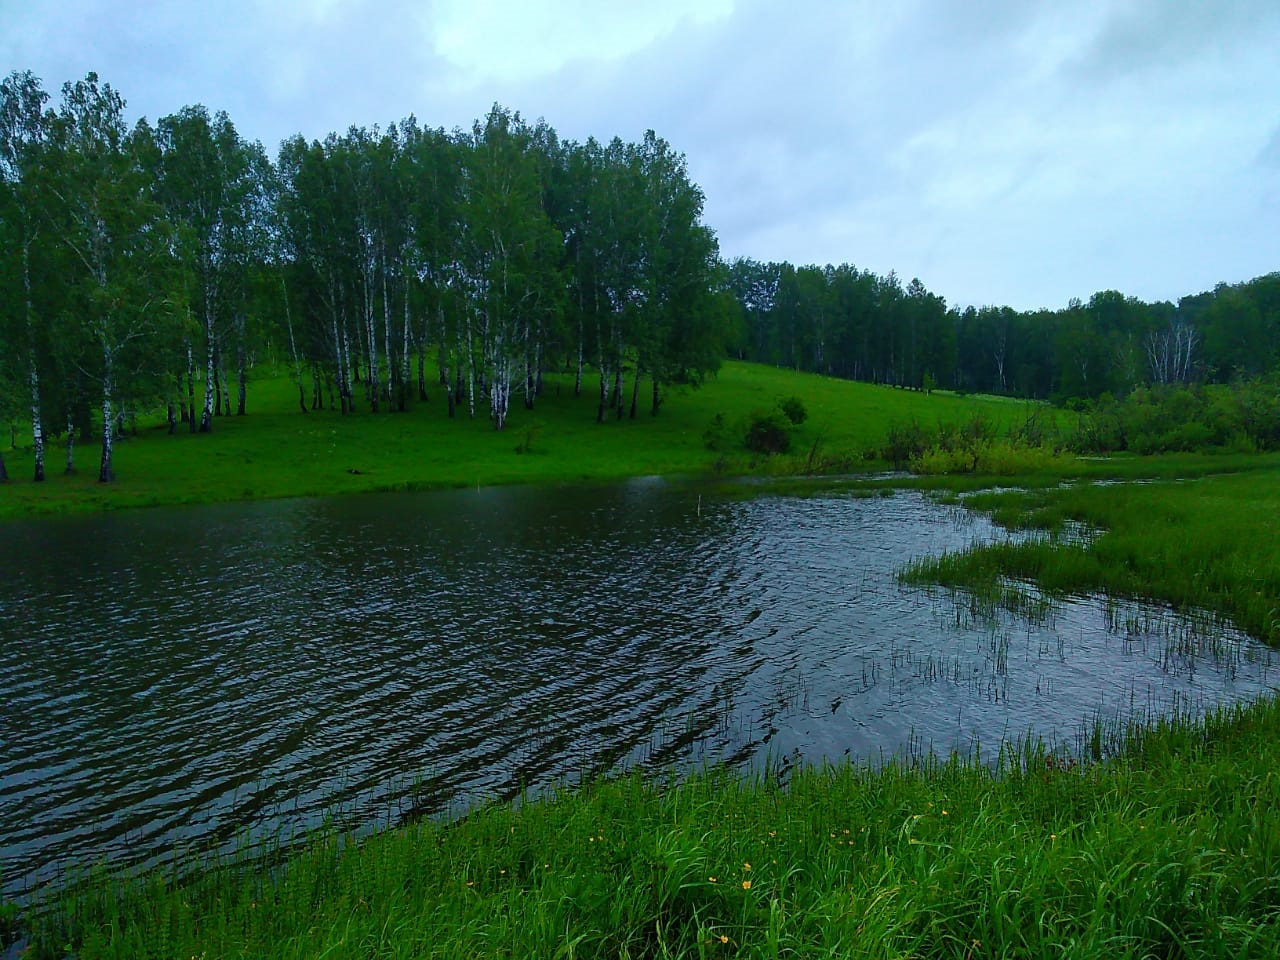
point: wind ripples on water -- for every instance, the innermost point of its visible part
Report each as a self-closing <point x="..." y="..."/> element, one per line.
<point x="177" y="677"/>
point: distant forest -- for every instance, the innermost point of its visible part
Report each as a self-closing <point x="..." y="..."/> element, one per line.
<point x="150" y="267"/>
<point x="854" y="324"/>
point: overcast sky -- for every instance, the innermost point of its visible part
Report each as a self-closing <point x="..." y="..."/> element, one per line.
<point x="1008" y="151"/>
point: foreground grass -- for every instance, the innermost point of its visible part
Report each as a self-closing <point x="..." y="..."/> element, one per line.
<point x="277" y="451"/>
<point x="1212" y="543"/>
<point x="1169" y="850"/>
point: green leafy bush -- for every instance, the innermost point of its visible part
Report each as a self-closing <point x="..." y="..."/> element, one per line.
<point x="793" y="409"/>
<point x="768" y="432"/>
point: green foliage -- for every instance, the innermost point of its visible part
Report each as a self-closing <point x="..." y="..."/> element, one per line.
<point x="793" y="409"/>
<point x="973" y="445"/>
<point x="768" y="432"/>
<point x="997" y="457"/>
<point x="713" y="438"/>
<point x="10" y="924"/>
<point x="1180" y="418"/>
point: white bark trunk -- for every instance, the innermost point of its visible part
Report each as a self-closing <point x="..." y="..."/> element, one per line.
<point x="105" y="473"/>
<point x="37" y="426"/>
<point x="210" y="381"/>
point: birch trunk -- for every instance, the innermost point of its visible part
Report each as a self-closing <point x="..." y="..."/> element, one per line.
<point x="604" y="378"/>
<point x="210" y="380"/>
<point x="242" y="376"/>
<point x="471" y="371"/>
<point x="206" y="415"/>
<point x="105" y="474"/>
<point x="191" y="389"/>
<point x="293" y="348"/>
<point x="344" y="381"/>
<point x="71" y="446"/>
<point x="404" y="354"/>
<point x="392" y="370"/>
<point x="635" y="391"/>
<point x="618" y="394"/>
<point x="223" y="391"/>
<point x="37" y="424"/>
<point x="372" y="388"/>
<point x="577" y="381"/>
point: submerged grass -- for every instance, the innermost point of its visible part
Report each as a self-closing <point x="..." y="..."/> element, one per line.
<point x="1170" y="849"/>
<point x="1208" y="544"/>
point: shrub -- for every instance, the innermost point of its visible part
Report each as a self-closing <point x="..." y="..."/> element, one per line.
<point x="713" y="436"/>
<point x="768" y="432"/>
<point x="793" y="409"/>
<point x="906" y="442"/>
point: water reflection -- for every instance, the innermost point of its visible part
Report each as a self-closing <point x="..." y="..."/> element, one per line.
<point x="179" y="675"/>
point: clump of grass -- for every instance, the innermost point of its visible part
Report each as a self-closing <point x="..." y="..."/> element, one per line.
<point x="1170" y="848"/>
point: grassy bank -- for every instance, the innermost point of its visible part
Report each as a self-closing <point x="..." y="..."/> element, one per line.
<point x="1171" y="850"/>
<point x="277" y="451"/>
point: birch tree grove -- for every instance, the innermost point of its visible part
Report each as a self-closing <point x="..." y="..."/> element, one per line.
<point x="138" y="265"/>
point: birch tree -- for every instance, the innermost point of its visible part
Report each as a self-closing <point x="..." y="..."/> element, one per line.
<point x="512" y="253"/>
<point x="117" y="235"/>
<point x="207" y="185"/>
<point x="24" y="133"/>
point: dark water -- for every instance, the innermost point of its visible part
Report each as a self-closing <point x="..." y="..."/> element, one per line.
<point x="204" y="675"/>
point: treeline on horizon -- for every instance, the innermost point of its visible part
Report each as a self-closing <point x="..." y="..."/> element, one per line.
<point x="850" y="323"/>
<point x="150" y="266"/>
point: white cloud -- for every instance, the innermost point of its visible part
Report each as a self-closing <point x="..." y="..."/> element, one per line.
<point x="510" y="40"/>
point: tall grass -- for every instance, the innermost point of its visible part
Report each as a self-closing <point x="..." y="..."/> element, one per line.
<point x="1170" y="849"/>
<point x="1212" y="543"/>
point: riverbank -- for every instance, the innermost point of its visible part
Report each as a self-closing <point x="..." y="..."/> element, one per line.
<point x="1168" y="849"/>
<point x="277" y="451"/>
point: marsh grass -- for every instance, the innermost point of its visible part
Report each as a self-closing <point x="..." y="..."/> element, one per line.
<point x="1207" y="544"/>
<point x="1170" y="847"/>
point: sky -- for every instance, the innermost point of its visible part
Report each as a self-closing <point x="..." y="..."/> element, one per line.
<point x="1010" y="152"/>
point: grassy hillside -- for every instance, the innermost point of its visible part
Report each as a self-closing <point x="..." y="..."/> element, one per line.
<point x="277" y="451"/>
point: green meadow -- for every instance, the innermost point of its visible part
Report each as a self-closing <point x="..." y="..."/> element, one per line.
<point x="277" y="451"/>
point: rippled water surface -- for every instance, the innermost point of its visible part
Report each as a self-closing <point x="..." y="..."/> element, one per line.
<point x="174" y="676"/>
